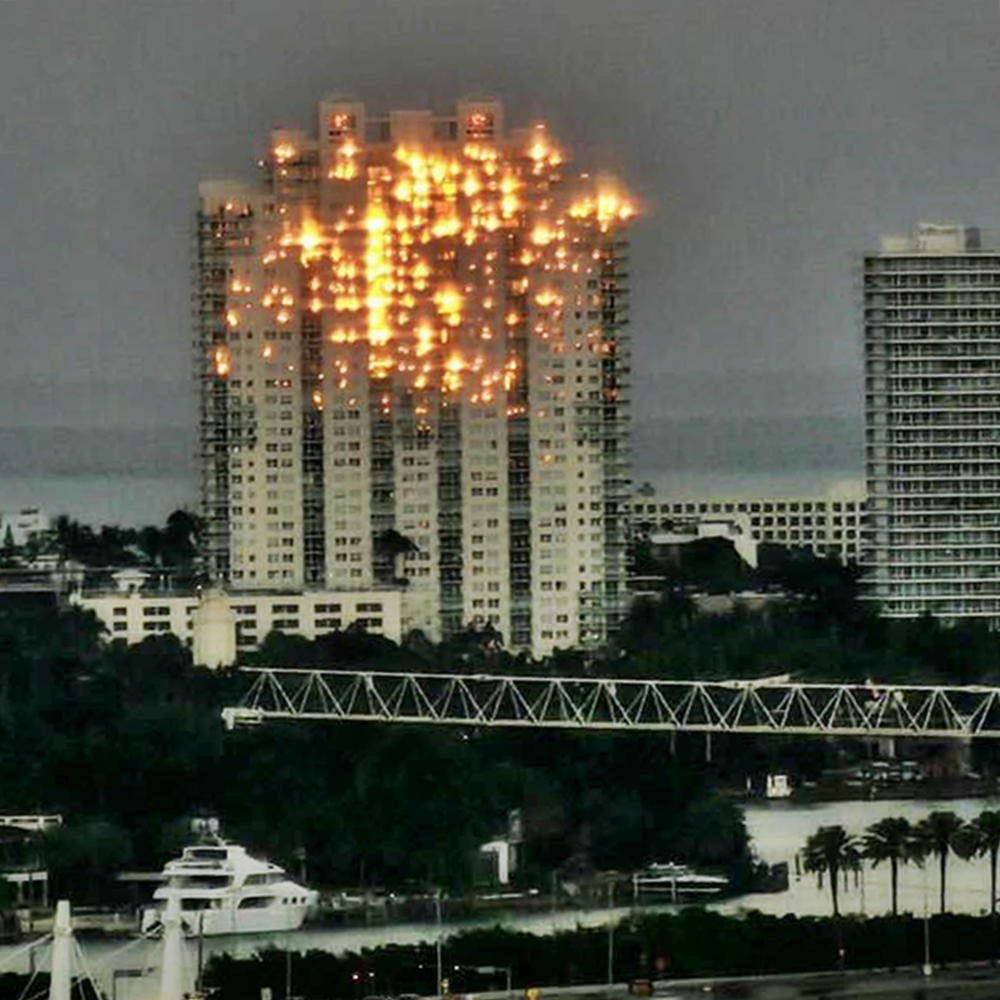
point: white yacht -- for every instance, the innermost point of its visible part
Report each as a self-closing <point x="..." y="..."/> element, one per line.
<point x="223" y="890"/>
<point x="678" y="882"/>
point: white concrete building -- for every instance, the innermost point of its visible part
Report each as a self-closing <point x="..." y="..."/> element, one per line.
<point x="22" y="856"/>
<point x="932" y="409"/>
<point x="413" y="358"/>
<point x="23" y="524"/>
<point x="217" y="624"/>
<point x="734" y="528"/>
<point x="829" y="523"/>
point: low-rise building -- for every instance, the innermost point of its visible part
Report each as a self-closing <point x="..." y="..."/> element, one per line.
<point x="22" y="856"/>
<point x="23" y="525"/>
<point x="218" y="624"/>
<point x="735" y="528"/>
<point x="829" y="523"/>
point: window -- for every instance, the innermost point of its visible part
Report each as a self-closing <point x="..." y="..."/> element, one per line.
<point x="254" y="902"/>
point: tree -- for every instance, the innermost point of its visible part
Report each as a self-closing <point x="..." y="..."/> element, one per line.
<point x="8" y="550"/>
<point x="891" y="839"/>
<point x="937" y="834"/>
<point x="987" y="828"/>
<point x="83" y="860"/>
<point x="713" y="832"/>
<point x="389" y="548"/>
<point x="831" y="849"/>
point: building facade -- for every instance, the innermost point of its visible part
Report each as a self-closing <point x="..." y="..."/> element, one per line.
<point x="24" y="525"/>
<point x="413" y="358"/>
<point x="932" y="407"/>
<point x="828" y="523"/>
<point x="219" y="625"/>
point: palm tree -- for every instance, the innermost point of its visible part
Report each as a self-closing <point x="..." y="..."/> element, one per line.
<point x="831" y="849"/>
<point x="891" y="839"/>
<point x="987" y="827"/>
<point x="936" y="834"/>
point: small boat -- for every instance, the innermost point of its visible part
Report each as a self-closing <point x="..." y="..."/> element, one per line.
<point x="779" y="786"/>
<point x="678" y="882"/>
<point x="223" y="890"/>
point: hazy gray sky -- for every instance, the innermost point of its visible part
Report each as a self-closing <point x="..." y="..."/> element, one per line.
<point x="768" y="142"/>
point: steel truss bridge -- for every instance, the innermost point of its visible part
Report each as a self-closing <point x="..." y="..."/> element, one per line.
<point x="768" y="706"/>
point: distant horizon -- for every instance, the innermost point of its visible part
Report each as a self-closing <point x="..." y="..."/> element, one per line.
<point x="96" y="500"/>
<point x="139" y="500"/>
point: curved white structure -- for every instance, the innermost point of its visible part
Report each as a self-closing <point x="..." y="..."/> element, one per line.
<point x="223" y="890"/>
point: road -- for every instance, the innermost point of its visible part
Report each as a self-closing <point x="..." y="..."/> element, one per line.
<point x="978" y="982"/>
<point x="970" y="982"/>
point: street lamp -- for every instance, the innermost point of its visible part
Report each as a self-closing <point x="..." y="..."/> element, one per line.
<point x="928" y="969"/>
<point x="440" y="971"/>
<point x="611" y="929"/>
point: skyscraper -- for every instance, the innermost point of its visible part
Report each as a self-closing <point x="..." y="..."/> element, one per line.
<point x="932" y="391"/>
<point x="413" y="357"/>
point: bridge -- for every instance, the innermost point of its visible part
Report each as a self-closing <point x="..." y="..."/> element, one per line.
<point x="769" y="706"/>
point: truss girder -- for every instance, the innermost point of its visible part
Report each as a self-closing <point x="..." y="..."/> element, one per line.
<point x="734" y="706"/>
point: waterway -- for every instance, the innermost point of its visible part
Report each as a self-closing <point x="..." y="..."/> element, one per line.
<point x="778" y="829"/>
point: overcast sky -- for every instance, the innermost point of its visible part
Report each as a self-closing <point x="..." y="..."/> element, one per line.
<point x="768" y="142"/>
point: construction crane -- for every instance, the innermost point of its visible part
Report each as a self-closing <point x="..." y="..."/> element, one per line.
<point x="773" y="705"/>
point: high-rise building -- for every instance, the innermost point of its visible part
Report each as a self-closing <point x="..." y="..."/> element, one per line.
<point x="932" y="391"/>
<point x="413" y="356"/>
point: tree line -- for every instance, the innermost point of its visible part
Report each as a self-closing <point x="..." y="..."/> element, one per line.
<point x="172" y="549"/>
<point x="894" y="840"/>
<point x="691" y="943"/>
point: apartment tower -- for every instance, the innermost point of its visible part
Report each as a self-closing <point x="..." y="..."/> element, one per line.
<point x="932" y="391"/>
<point x="413" y="360"/>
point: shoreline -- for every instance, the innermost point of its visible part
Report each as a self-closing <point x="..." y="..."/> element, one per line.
<point x="929" y="790"/>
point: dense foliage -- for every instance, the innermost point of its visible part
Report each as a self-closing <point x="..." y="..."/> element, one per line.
<point x="127" y="741"/>
<point x="691" y="943"/>
<point x="813" y="624"/>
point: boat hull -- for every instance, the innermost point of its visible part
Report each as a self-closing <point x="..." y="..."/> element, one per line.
<point x="678" y="882"/>
<point x="231" y="920"/>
